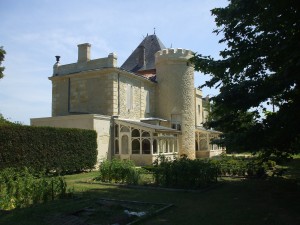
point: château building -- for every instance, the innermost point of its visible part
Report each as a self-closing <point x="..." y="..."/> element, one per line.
<point x="144" y="108"/>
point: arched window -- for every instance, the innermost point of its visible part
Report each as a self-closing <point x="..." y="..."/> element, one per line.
<point x="196" y="145"/>
<point x="136" y="146"/>
<point x="154" y="146"/>
<point x="146" y="134"/>
<point x="124" y="129"/>
<point x="203" y="144"/>
<point x="124" y="144"/>
<point x="175" y="146"/>
<point x="167" y="146"/>
<point x="135" y="133"/>
<point x="146" y="146"/>
<point x="116" y="147"/>
<point x="116" y="130"/>
<point x="171" y="146"/>
<point x="162" y="146"/>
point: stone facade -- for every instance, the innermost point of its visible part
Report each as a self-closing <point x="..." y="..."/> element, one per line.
<point x="139" y="114"/>
<point x="199" y="114"/>
<point x="176" y="94"/>
<point x="133" y="102"/>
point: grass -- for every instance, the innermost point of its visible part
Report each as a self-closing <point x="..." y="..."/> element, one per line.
<point x="274" y="201"/>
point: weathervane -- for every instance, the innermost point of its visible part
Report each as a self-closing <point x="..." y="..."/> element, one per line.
<point x="154" y="30"/>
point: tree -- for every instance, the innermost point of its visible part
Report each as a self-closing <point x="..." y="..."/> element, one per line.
<point x="2" y="54"/>
<point x="260" y="66"/>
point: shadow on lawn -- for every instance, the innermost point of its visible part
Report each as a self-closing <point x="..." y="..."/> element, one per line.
<point x="271" y="201"/>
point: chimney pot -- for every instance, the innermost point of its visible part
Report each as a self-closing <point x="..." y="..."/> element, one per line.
<point x="84" y="52"/>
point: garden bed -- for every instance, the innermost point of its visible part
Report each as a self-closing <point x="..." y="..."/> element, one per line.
<point x="109" y="211"/>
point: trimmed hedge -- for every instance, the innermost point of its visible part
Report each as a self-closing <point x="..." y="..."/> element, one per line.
<point x="46" y="148"/>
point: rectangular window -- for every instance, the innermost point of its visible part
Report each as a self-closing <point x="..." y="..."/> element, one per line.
<point x="129" y="96"/>
<point x="176" y="121"/>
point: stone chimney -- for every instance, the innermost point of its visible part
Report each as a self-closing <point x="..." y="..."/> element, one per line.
<point x="84" y="52"/>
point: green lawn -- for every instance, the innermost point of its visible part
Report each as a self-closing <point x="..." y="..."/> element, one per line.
<point x="274" y="201"/>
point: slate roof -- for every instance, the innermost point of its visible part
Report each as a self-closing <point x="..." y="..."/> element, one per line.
<point x="142" y="58"/>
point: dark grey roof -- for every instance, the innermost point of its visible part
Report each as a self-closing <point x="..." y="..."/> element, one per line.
<point x="142" y="58"/>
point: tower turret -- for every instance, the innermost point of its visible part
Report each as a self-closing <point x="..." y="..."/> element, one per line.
<point x="176" y="96"/>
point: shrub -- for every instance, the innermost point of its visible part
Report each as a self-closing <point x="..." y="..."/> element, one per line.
<point x="185" y="173"/>
<point x="6" y="122"/>
<point x="20" y="188"/>
<point x="45" y="148"/>
<point x="119" y="171"/>
<point x="241" y="166"/>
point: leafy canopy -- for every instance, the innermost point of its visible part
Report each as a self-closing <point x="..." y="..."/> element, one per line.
<point x="259" y="67"/>
<point x="2" y="56"/>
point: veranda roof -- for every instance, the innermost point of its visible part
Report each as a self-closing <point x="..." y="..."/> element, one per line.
<point x="155" y="128"/>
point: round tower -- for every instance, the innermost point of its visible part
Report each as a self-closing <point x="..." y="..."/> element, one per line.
<point x="176" y="96"/>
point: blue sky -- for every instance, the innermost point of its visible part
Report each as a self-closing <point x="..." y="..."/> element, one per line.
<point x="34" y="31"/>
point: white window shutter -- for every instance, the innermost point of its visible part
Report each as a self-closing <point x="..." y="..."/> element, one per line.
<point x="128" y="96"/>
<point x="131" y="97"/>
<point x="147" y="102"/>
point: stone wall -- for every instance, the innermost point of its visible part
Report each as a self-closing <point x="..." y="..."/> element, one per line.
<point x="140" y="87"/>
<point x="198" y="107"/>
<point x="87" y="92"/>
<point x="60" y="98"/>
<point x="110" y="61"/>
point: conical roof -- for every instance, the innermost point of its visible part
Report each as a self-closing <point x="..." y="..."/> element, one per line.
<point x="142" y="58"/>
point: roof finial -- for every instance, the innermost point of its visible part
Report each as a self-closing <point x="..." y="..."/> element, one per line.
<point x="154" y="30"/>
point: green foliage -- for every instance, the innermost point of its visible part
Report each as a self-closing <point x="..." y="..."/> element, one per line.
<point x="2" y="56"/>
<point x="259" y="67"/>
<point x="117" y="170"/>
<point x="4" y="121"/>
<point x="243" y="166"/>
<point x="57" y="150"/>
<point x="22" y="187"/>
<point x="185" y="173"/>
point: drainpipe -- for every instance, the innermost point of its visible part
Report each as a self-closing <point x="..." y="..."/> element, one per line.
<point x="69" y="93"/>
<point x="118" y="94"/>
